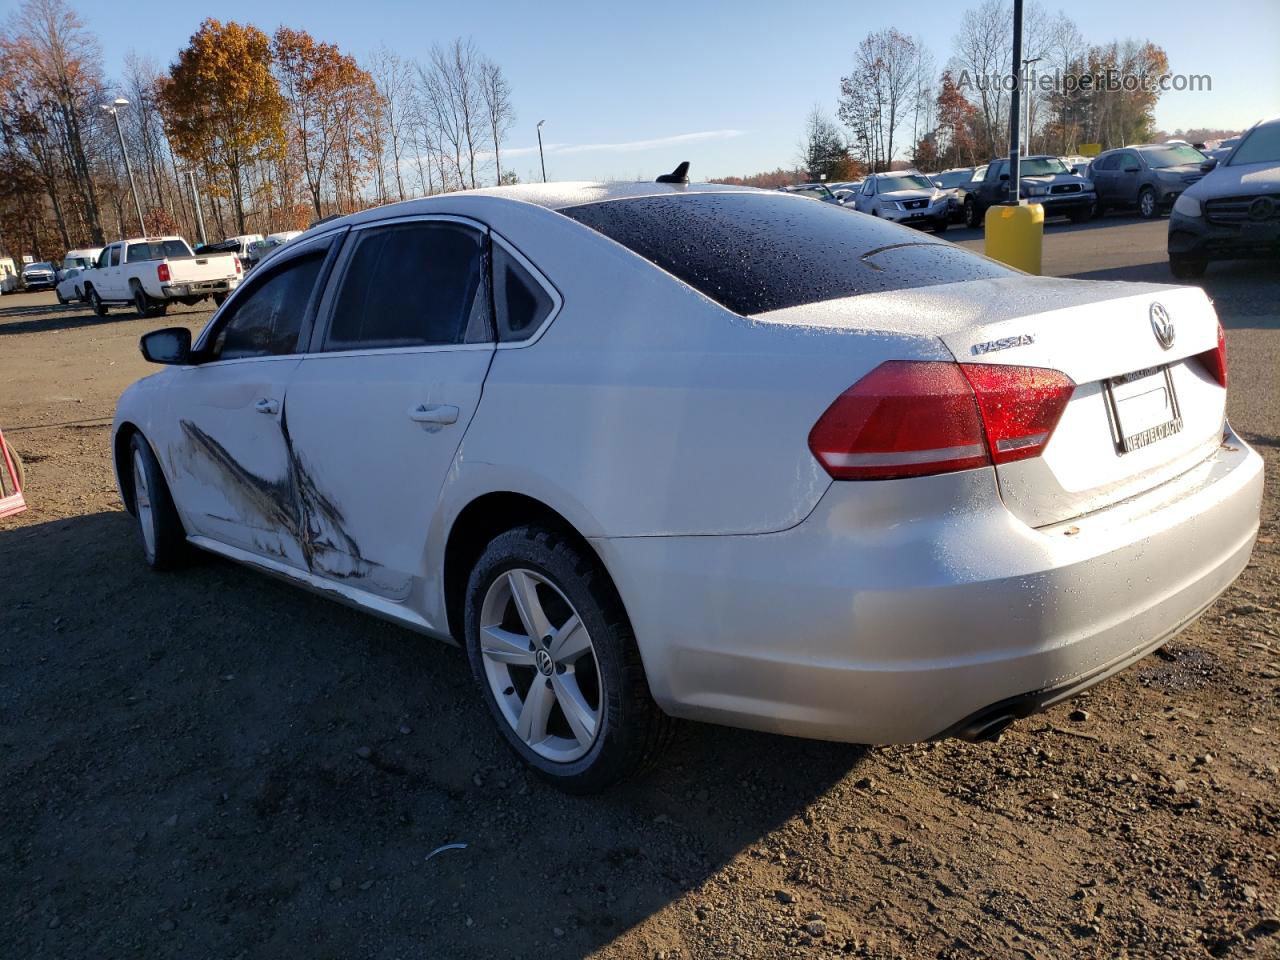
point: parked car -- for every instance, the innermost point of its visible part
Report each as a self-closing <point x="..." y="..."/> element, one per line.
<point x="260" y="248"/>
<point x="1223" y="149"/>
<point x="814" y="191"/>
<point x="9" y="280"/>
<point x="952" y="183"/>
<point x="907" y="197"/>
<point x="1146" y="176"/>
<point x="152" y="272"/>
<point x="1045" y="180"/>
<point x="1234" y="212"/>
<point x="70" y="288"/>
<point x="964" y="513"/>
<point x="1077" y="164"/>
<point x="38" y="275"/>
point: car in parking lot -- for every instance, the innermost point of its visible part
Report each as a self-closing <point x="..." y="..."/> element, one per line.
<point x="38" y="275"/>
<point x="659" y="450"/>
<point x="70" y="287"/>
<point x="149" y="273"/>
<point x="1234" y="211"/>
<point x="906" y="197"/>
<point x="1147" y="177"/>
<point x="952" y="182"/>
<point x="814" y="191"/>
<point x="1045" y="180"/>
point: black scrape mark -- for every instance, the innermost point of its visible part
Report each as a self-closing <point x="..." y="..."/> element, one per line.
<point x="293" y="504"/>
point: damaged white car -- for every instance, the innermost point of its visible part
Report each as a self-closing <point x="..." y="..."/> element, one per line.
<point x="666" y="450"/>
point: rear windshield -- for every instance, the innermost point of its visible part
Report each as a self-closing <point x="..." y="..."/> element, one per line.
<point x="756" y="252"/>
<point x="157" y="250"/>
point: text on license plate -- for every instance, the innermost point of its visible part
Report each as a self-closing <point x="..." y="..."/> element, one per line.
<point x="1143" y="407"/>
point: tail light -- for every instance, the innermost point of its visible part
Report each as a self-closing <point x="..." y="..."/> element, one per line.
<point x="237" y="260"/>
<point x="162" y="272"/>
<point x="913" y="419"/>
<point x="1215" y="360"/>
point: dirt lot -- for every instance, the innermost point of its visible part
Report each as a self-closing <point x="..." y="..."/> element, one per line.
<point x="209" y="764"/>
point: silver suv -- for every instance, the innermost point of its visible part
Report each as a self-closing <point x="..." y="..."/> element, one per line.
<point x="905" y="197"/>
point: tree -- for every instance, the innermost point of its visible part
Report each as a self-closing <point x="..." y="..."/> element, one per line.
<point x="955" y="142"/>
<point x="823" y="153"/>
<point x="222" y="106"/>
<point x="499" y="112"/>
<point x="876" y="95"/>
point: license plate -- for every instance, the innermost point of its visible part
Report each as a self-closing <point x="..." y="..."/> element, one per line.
<point x="1143" y="407"/>
<point x="1260" y="232"/>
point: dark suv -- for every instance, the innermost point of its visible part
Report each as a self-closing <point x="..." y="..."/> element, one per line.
<point x="1148" y="176"/>
<point x="1045" y="180"/>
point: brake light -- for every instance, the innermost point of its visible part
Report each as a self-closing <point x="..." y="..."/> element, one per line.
<point x="918" y="418"/>
<point x="1215" y="360"/>
<point x="162" y="272"/>
<point x="237" y="260"/>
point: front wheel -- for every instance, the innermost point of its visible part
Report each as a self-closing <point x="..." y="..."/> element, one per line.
<point x="164" y="543"/>
<point x="1147" y="203"/>
<point x="557" y="663"/>
<point x="971" y="218"/>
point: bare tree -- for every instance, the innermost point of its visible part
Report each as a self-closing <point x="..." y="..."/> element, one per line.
<point x="876" y="95"/>
<point x="394" y="80"/>
<point x="983" y="50"/>
<point x="499" y="110"/>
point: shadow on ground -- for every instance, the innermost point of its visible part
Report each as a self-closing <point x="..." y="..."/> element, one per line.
<point x="183" y="776"/>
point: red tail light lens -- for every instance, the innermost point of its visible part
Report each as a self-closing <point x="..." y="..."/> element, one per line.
<point x="162" y="272"/>
<point x="237" y="260"/>
<point x="1020" y="407"/>
<point x="914" y="418"/>
<point x="1215" y="360"/>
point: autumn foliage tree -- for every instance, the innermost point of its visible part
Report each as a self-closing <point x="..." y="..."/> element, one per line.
<point x="222" y="105"/>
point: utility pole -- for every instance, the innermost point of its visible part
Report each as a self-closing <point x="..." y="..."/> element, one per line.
<point x="540" y="156"/>
<point x="114" y="109"/>
<point x="195" y="199"/>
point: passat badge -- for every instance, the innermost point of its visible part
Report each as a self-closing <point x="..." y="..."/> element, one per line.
<point x="1004" y="343"/>
<point x="1162" y="326"/>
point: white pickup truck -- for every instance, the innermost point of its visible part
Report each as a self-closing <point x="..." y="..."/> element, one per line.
<point x="152" y="272"/>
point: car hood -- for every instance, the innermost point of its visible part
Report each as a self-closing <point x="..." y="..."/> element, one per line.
<point x="907" y="195"/>
<point x="1233" y="181"/>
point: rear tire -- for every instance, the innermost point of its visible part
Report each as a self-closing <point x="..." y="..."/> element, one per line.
<point x="971" y="218"/>
<point x="164" y="541"/>
<point x="219" y="299"/>
<point x="574" y="705"/>
<point x="142" y="303"/>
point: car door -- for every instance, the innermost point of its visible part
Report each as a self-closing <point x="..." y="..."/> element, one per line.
<point x="378" y="408"/>
<point x="1128" y="178"/>
<point x="108" y="278"/>
<point x="230" y="463"/>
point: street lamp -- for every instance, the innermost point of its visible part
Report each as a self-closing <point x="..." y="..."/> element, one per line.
<point x="540" y="156"/>
<point x="114" y="108"/>
<point x="1026" y="62"/>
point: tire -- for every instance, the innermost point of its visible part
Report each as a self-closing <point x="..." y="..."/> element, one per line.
<point x="219" y="299"/>
<point x="616" y="729"/>
<point x="940" y="225"/>
<point x="62" y="300"/>
<point x="1147" y="206"/>
<point x="164" y="542"/>
<point x="95" y="301"/>
<point x="143" y="304"/>
<point x="1082" y="214"/>
<point x="1187" y="268"/>
<point x="971" y="218"/>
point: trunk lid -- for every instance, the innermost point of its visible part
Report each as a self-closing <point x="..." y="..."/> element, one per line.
<point x="1140" y="414"/>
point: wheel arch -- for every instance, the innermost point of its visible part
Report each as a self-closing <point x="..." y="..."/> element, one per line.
<point x="120" y="444"/>
<point x="482" y="519"/>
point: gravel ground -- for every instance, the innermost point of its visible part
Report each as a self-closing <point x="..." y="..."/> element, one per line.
<point x="212" y="764"/>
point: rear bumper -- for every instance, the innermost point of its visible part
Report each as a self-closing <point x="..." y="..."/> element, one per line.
<point x="875" y="622"/>
<point x="203" y="288"/>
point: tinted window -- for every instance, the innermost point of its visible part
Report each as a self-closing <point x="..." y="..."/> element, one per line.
<point x="1261" y="145"/>
<point x="115" y="256"/>
<point x="759" y="252"/>
<point x="520" y="303"/>
<point x="156" y="250"/>
<point x="265" y="320"/>
<point x="409" y="285"/>
<point x="104" y="257"/>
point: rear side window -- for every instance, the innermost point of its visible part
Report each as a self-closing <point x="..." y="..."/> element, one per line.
<point x="520" y="302"/>
<point x="266" y="320"/>
<point x="410" y="285"/>
<point x="756" y="252"/>
<point x="156" y="250"/>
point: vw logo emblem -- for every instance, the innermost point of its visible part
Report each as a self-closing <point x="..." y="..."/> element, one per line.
<point x="1262" y="208"/>
<point x="1162" y="326"/>
<point x="546" y="666"/>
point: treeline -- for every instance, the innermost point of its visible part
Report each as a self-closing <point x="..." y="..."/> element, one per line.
<point x="896" y="105"/>
<point x="276" y="131"/>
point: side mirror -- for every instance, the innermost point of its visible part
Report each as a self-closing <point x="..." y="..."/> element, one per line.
<point x="170" y="345"/>
<point x="1004" y="176"/>
<point x="1208" y="165"/>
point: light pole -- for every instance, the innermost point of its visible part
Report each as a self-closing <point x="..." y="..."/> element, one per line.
<point x="1026" y="62"/>
<point x="114" y="109"/>
<point x="540" y="156"/>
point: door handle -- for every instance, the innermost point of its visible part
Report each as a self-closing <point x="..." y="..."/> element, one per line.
<point x="437" y="413"/>
<point x="267" y="405"/>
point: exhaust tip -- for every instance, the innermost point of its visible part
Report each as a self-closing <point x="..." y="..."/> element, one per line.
<point x="987" y="729"/>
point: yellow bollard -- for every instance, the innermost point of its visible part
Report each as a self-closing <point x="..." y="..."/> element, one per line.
<point x="1014" y="235"/>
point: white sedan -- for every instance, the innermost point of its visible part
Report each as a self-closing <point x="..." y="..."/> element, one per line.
<point x="652" y="451"/>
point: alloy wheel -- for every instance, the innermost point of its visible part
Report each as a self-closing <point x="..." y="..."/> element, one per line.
<point x="142" y="503"/>
<point x="541" y="666"/>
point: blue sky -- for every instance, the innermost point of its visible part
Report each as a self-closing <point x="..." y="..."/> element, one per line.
<point x="734" y="81"/>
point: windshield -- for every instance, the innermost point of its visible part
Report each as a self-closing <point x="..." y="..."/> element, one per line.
<point x="1176" y="156"/>
<point x="1041" y="167"/>
<point x="1260" y="145"/>
<point x="953" y="178"/>
<point x="754" y="253"/>
<point x="157" y="250"/>
<point x="39" y="266"/>
<point x="913" y="181"/>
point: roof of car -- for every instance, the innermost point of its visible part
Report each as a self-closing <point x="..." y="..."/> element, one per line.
<point x="557" y="196"/>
